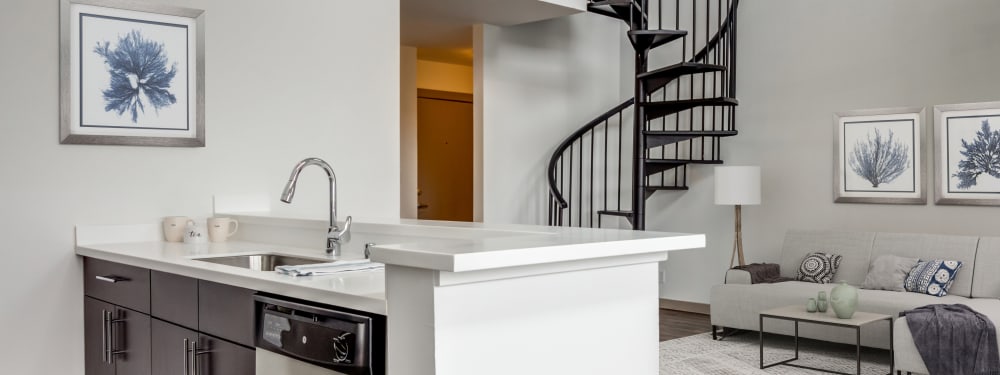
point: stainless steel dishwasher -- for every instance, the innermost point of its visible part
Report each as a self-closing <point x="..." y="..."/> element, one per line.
<point x="303" y="338"/>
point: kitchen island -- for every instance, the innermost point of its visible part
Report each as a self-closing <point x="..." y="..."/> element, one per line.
<point x="459" y="298"/>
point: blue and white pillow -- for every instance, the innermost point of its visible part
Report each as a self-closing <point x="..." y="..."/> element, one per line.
<point x="932" y="277"/>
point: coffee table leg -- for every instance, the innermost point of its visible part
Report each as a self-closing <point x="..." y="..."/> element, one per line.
<point x="796" y="339"/>
<point x="892" y="352"/>
<point x="858" y="333"/>
<point x="760" y="327"/>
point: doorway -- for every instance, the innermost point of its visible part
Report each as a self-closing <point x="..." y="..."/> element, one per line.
<point x="444" y="155"/>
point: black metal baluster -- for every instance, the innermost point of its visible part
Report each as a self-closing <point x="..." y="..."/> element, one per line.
<point x="620" y="128"/>
<point x="605" y="185"/>
<point x="562" y="185"/>
<point x="570" y="180"/>
<point x="590" y="212"/>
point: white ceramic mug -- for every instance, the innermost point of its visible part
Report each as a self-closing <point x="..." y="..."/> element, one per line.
<point x="194" y="233"/>
<point x="173" y="228"/>
<point x="221" y="228"/>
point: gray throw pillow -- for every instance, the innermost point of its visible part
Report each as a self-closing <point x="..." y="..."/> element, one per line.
<point x="888" y="272"/>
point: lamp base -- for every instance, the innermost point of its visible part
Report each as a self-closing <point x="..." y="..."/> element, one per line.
<point x="738" y="240"/>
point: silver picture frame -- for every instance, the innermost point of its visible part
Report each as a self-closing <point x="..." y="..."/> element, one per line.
<point x="859" y="177"/>
<point x="183" y="128"/>
<point x="961" y="129"/>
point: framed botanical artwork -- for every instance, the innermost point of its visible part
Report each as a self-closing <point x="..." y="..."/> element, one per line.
<point x="131" y="73"/>
<point x="878" y="156"/>
<point x="967" y="149"/>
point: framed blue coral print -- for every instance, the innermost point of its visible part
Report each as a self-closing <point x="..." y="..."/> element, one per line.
<point x="131" y="73"/>
<point x="878" y="156"/>
<point x="967" y="148"/>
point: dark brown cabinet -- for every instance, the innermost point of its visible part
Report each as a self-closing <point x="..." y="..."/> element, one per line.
<point x="171" y="348"/>
<point x="95" y="331"/>
<point x="226" y="311"/>
<point x="220" y="357"/>
<point x="174" y="298"/>
<point x="142" y="322"/>
<point x="117" y="339"/>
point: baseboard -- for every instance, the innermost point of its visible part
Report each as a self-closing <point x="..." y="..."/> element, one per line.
<point x="692" y="307"/>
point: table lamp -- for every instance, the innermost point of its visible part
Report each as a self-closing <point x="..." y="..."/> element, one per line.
<point x="737" y="185"/>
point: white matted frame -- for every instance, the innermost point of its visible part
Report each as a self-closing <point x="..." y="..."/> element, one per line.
<point x="967" y="149"/>
<point x="879" y="156"/>
<point x="131" y="73"/>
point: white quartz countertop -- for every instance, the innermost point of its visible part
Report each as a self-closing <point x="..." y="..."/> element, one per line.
<point x="464" y="246"/>
<point x="449" y="247"/>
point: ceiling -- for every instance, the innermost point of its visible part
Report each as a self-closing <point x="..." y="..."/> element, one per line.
<point x="447" y="24"/>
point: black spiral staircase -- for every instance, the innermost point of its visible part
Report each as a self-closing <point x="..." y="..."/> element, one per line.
<point x="678" y="116"/>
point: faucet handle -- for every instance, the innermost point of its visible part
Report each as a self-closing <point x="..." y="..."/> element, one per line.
<point x="344" y="234"/>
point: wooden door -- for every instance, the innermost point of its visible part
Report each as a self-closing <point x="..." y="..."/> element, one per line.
<point x="444" y="155"/>
<point x="170" y="354"/>
<point x="95" y="337"/>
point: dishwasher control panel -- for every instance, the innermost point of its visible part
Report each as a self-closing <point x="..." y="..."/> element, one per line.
<point x="323" y="336"/>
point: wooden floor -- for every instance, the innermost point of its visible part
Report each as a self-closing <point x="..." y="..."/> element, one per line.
<point x="676" y="324"/>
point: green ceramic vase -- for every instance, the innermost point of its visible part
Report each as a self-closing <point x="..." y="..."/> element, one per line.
<point x="844" y="300"/>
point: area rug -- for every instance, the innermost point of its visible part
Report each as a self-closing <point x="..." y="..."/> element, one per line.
<point x="740" y="355"/>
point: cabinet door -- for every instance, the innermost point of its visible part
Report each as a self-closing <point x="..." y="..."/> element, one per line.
<point x="131" y="332"/>
<point x="220" y="357"/>
<point x="170" y="345"/>
<point x="174" y="298"/>
<point x="226" y="311"/>
<point x="95" y="336"/>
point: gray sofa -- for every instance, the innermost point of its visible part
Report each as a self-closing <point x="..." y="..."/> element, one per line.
<point x="737" y="303"/>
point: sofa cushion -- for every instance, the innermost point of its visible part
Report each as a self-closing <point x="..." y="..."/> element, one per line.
<point x="855" y="247"/>
<point x="819" y="268"/>
<point x="986" y="282"/>
<point x="933" y="277"/>
<point x="933" y="246"/>
<point x="888" y="272"/>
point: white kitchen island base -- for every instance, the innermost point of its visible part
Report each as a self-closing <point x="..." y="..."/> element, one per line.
<point x="586" y="321"/>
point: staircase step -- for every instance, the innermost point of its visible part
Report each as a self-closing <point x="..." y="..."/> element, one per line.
<point x="644" y="40"/>
<point x="657" y="138"/>
<point x="628" y="215"/>
<point x="658" y="78"/>
<point x="625" y="10"/>
<point x="655" y="110"/>
<point x="650" y="190"/>
<point x="654" y="166"/>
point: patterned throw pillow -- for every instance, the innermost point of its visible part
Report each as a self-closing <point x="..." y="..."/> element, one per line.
<point x="932" y="277"/>
<point x="819" y="267"/>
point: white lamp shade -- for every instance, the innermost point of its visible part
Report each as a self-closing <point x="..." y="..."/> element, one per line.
<point x="737" y="185"/>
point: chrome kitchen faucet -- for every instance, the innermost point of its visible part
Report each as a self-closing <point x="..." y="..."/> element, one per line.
<point x="335" y="236"/>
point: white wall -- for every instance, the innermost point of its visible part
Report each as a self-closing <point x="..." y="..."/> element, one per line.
<point x="539" y="82"/>
<point x="408" y="133"/>
<point x="433" y="75"/>
<point x="799" y="62"/>
<point x="284" y="81"/>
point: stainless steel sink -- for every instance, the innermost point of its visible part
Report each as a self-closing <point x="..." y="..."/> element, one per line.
<point x="262" y="262"/>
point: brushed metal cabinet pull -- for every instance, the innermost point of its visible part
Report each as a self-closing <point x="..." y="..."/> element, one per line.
<point x="187" y="358"/>
<point x="104" y="336"/>
<point x="112" y="321"/>
<point x="111" y="278"/>
<point x="194" y="357"/>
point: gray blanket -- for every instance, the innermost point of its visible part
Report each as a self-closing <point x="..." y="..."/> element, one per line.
<point x="954" y="340"/>
<point x="763" y="273"/>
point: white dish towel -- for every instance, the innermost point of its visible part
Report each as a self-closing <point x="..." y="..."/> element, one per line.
<point x="320" y="269"/>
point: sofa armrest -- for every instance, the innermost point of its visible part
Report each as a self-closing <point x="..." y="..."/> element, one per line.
<point x="735" y="276"/>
